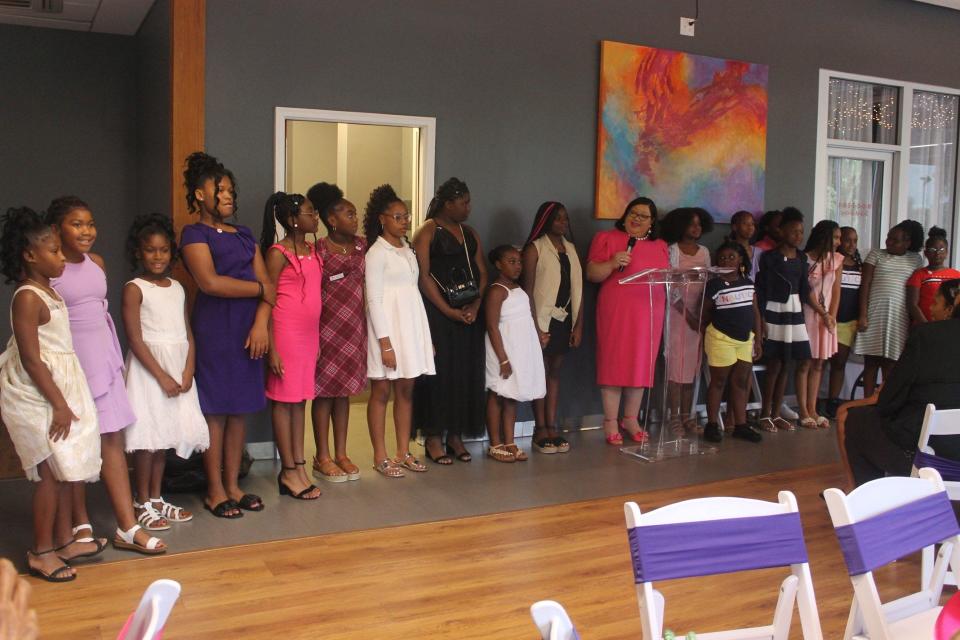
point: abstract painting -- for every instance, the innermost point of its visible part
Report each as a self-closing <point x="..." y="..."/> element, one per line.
<point x="682" y="129"/>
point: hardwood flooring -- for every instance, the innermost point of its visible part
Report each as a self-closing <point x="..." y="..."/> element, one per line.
<point x="467" y="578"/>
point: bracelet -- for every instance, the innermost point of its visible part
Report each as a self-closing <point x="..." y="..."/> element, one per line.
<point x="386" y="350"/>
<point x="504" y="362"/>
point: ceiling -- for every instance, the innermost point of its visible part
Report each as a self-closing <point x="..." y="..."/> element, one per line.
<point x="100" y="16"/>
<point x="950" y="4"/>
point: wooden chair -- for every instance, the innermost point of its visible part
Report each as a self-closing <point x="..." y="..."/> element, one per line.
<point x="882" y="521"/>
<point x="708" y="536"/>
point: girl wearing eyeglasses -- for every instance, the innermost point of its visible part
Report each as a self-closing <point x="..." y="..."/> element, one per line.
<point x="925" y="281"/>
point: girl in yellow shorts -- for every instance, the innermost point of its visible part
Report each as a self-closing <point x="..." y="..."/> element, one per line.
<point x="733" y="320"/>
<point x="847" y="314"/>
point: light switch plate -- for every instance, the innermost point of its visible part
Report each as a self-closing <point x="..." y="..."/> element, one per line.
<point x="687" y="26"/>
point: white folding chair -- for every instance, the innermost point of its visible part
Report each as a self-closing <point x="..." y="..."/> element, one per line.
<point x="708" y="536"/>
<point x="151" y="614"/>
<point x="879" y="522"/>
<point x="942" y="422"/>
<point x="552" y="621"/>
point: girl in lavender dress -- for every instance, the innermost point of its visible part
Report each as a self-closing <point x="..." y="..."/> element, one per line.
<point x="230" y="318"/>
<point x="83" y="287"/>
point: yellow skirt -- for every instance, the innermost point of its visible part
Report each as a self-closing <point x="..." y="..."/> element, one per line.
<point x="846" y="332"/>
<point x="724" y="351"/>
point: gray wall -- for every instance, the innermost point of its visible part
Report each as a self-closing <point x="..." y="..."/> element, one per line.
<point x="68" y="101"/>
<point x="513" y="85"/>
<point x="153" y="111"/>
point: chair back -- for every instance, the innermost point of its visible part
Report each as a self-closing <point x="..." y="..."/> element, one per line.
<point x="552" y="621"/>
<point x="147" y="622"/>
<point x="882" y="521"/>
<point x="939" y="422"/>
<point x="707" y="536"/>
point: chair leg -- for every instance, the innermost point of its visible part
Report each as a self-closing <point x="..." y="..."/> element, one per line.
<point x="926" y="567"/>
<point x="783" y="614"/>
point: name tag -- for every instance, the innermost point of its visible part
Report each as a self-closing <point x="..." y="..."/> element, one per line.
<point x="339" y="276"/>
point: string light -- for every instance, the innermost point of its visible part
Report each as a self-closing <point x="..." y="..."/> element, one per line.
<point x="858" y="118"/>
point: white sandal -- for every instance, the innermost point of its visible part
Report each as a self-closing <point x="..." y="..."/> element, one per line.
<point x="171" y="512"/>
<point x="127" y="540"/>
<point x="149" y="518"/>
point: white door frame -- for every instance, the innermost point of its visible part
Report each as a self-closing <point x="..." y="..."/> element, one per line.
<point x="888" y="158"/>
<point x="428" y="137"/>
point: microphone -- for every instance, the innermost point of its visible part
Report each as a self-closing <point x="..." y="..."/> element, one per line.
<point x="632" y="241"/>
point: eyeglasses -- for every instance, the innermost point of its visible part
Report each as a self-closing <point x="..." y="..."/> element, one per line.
<point x="401" y="217"/>
<point x="937" y="249"/>
<point x="312" y="214"/>
<point x="639" y="217"/>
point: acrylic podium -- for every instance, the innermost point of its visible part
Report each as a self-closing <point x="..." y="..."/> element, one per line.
<point x="683" y="305"/>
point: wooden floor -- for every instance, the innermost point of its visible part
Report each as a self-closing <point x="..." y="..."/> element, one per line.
<point x="467" y="578"/>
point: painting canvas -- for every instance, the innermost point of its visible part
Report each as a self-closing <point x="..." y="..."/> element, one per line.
<point x="682" y="129"/>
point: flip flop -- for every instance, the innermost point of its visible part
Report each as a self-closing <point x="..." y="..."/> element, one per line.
<point x="221" y="509"/>
<point x="251" y="502"/>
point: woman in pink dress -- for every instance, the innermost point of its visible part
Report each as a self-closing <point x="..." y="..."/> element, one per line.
<point x="628" y="339"/>
<point x="824" y="272"/>
<point x="295" y="269"/>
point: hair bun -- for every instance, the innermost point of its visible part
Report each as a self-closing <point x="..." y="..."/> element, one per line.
<point x="936" y="233"/>
<point x="324" y="195"/>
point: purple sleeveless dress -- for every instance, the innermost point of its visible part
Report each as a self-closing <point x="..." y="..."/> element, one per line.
<point x="228" y="381"/>
<point x="83" y="286"/>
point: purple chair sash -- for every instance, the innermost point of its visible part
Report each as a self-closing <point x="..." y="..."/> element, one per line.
<point x="890" y="535"/>
<point x="949" y="469"/>
<point x="703" y="548"/>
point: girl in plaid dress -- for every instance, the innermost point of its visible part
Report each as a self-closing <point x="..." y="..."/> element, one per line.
<point x="342" y="363"/>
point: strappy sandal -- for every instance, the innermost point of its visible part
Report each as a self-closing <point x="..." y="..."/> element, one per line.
<point x="352" y="470"/>
<point x="89" y="554"/>
<point x="444" y="459"/>
<point x="100" y="542"/>
<point x="767" y="424"/>
<point x="518" y="454"/>
<point x="54" y="576"/>
<point x="127" y="540"/>
<point x="171" y="512"/>
<point x="411" y="463"/>
<point x="545" y="444"/>
<point x="784" y="425"/>
<point x="284" y="490"/>
<point x="329" y="470"/>
<point x="251" y="502"/>
<point x="562" y="444"/>
<point x="388" y="468"/>
<point x="149" y="518"/>
<point x="823" y="422"/>
<point x="808" y="423"/>
<point x="463" y="456"/>
<point x="614" y="438"/>
<point x="221" y="509"/>
<point x="500" y="453"/>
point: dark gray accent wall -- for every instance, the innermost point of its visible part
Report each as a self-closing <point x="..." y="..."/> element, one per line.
<point x="68" y="126"/>
<point x="153" y="111"/>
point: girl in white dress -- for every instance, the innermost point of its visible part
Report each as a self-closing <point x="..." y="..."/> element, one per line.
<point x="46" y="403"/>
<point x="399" y="346"/>
<point x="515" y="370"/>
<point x="159" y="371"/>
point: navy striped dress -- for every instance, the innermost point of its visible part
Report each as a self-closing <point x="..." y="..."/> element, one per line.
<point x="782" y="288"/>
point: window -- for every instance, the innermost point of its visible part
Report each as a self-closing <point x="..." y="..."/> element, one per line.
<point x="886" y="152"/>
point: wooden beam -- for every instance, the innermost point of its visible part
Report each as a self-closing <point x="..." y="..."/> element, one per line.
<point x="187" y="64"/>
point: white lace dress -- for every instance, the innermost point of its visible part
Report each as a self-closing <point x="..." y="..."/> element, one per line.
<point x="163" y="423"/>
<point x="27" y="413"/>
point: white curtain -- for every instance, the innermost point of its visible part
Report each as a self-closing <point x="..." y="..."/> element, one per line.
<point x="933" y="153"/>
<point x="854" y="193"/>
<point x="862" y="112"/>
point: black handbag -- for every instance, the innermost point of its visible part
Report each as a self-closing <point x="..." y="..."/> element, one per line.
<point x="463" y="288"/>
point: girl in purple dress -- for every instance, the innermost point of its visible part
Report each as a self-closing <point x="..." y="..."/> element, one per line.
<point x="230" y="325"/>
<point x="83" y="287"/>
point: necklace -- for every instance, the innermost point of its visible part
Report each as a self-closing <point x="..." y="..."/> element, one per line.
<point x="45" y="288"/>
<point x="343" y="250"/>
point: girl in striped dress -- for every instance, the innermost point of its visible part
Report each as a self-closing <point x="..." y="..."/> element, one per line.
<point x="884" y="319"/>
<point x="782" y="288"/>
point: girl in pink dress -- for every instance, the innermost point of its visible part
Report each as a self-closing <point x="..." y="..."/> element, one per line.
<point x="627" y="338"/>
<point x="682" y="229"/>
<point x="294" y="267"/>
<point x="824" y="269"/>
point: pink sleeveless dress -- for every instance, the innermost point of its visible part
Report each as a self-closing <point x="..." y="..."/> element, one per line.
<point x="821" y="275"/>
<point x="83" y="287"/>
<point x="296" y="326"/>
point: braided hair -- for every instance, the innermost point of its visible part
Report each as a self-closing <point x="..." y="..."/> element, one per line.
<point x="145" y="226"/>
<point x="380" y="199"/>
<point x="452" y="189"/>
<point x="821" y="238"/>
<point x="20" y="228"/>
<point x="281" y="208"/>
<point x="543" y="220"/>
<point x="914" y="231"/>
<point x="201" y="167"/>
<point x="857" y="260"/>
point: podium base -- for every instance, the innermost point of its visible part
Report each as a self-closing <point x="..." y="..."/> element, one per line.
<point x="668" y="450"/>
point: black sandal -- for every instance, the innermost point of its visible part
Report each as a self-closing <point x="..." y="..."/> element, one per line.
<point x="97" y="541"/>
<point x="251" y="502"/>
<point x="464" y="456"/>
<point x="287" y="491"/>
<point x="53" y="576"/>
<point x="561" y="444"/>
<point x="443" y="459"/>
<point x="221" y="509"/>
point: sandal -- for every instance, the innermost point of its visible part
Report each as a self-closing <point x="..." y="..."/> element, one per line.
<point x="544" y="444"/>
<point x="221" y="510"/>
<point x="352" y="470"/>
<point x="329" y="470"/>
<point x="637" y="436"/>
<point x="442" y="459"/>
<point x="500" y="453"/>
<point x="767" y="424"/>
<point x="128" y="540"/>
<point x="101" y="542"/>
<point x="250" y="502"/>
<point x="562" y="444"/>
<point x="823" y="422"/>
<point x="784" y="424"/>
<point x="463" y="456"/>
<point x="53" y="576"/>
<point x="808" y="423"/>
<point x="518" y="454"/>
<point x="409" y="462"/>
<point x="284" y="490"/>
<point x="169" y="511"/>
<point x="388" y="468"/>
<point x="89" y="554"/>
<point x="149" y="518"/>
<point x="612" y="438"/>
